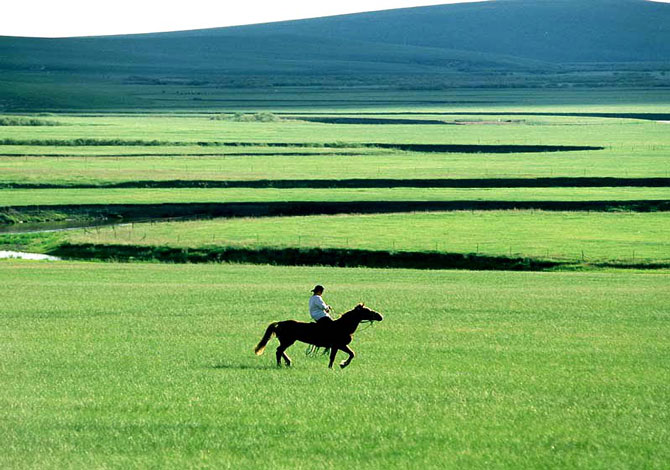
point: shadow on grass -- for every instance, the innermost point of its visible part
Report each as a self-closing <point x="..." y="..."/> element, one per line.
<point x="359" y="120"/>
<point x="133" y="212"/>
<point x="336" y="257"/>
<point x="429" y="148"/>
<point x="232" y="366"/>
<point x="642" y="116"/>
<point x="562" y="182"/>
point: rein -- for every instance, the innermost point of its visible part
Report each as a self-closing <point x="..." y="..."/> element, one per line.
<point x="369" y="324"/>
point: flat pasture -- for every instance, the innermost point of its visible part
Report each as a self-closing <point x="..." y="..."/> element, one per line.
<point x="466" y="129"/>
<point x="567" y="236"/>
<point x="99" y="149"/>
<point x="145" y="365"/>
<point x="150" y="365"/>
<point x="46" y="197"/>
<point x="320" y="165"/>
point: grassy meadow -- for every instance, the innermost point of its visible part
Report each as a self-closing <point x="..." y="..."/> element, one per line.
<point x="573" y="236"/>
<point x="114" y="167"/>
<point x="183" y="153"/>
<point x="150" y="364"/>
<point x="223" y="150"/>
<point x="23" y="197"/>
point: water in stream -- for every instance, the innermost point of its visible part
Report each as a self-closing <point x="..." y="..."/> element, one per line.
<point x="23" y="255"/>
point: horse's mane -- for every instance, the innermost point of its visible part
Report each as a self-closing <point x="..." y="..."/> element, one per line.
<point x="346" y="315"/>
<point x="351" y="311"/>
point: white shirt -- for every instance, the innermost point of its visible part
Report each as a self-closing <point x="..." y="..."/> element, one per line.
<point x="317" y="307"/>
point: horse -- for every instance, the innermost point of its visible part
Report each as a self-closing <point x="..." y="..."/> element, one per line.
<point x="335" y="335"/>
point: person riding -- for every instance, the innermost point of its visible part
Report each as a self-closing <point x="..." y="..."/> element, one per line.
<point x="318" y="309"/>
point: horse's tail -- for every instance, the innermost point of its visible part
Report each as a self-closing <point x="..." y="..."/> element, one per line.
<point x="269" y="332"/>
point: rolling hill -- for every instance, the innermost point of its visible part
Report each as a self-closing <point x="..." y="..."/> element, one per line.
<point x="558" y="31"/>
<point x="468" y="43"/>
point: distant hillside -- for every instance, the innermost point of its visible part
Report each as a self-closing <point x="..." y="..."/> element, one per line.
<point x="222" y="51"/>
<point x="498" y="43"/>
<point x="557" y="31"/>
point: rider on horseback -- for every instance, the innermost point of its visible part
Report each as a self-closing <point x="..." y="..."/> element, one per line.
<point x="318" y="309"/>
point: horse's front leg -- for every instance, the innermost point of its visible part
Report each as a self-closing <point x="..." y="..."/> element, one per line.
<point x="333" y="353"/>
<point x="351" y="353"/>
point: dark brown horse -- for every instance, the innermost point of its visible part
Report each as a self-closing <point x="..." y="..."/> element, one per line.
<point x="335" y="335"/>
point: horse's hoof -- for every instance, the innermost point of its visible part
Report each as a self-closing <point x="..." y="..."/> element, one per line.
<point x="343" y="365"/>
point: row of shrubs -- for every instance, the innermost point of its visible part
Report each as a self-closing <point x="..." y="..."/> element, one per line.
<point x="241" y="117"/>
<point x="83" y="142"/>
<point x="21" y="121"/>
<point x="86" y="142"/>
<point x="236" y="117"/>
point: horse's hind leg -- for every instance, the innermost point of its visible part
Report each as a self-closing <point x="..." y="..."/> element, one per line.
<point x="287" y="359"/>
<point x="351" y="353"/>
<point x="279" y="354"/>
<point x="282" y="354"/>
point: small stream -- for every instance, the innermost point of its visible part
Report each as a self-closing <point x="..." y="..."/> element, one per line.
<point x="23" y="255"/>
<point x="46" y="227"/>
<point x="54" y="227"/>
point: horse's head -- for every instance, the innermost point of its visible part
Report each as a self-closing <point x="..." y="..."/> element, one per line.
<point x="365" y="313"/>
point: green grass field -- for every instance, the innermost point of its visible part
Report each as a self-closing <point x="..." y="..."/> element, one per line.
<point x="22" y="197"/>
<point x="187" y="129"/>
<point x="68" y="170"/>
<point x="145" y="366"/>
<point x="633" y="148"/>
<point x="150" y="365"/>
<point x="569" y="236"/>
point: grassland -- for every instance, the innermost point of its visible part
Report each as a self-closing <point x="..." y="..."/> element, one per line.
<point x="468" y="369"/>
<point x="99" y="169"/>
<point x="23" y="197"/>
<point x="556" y="129"/>
<point x="597" y="237"/>
<point x="149" y="365"/>
<point x="633" y="148"/>
<point x="183" y="153"/>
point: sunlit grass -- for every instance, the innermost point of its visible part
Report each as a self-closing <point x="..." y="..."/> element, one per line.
<point x="536" y="234"/>
<point x="138" y="365"/>
<point x="45" y="197"/>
